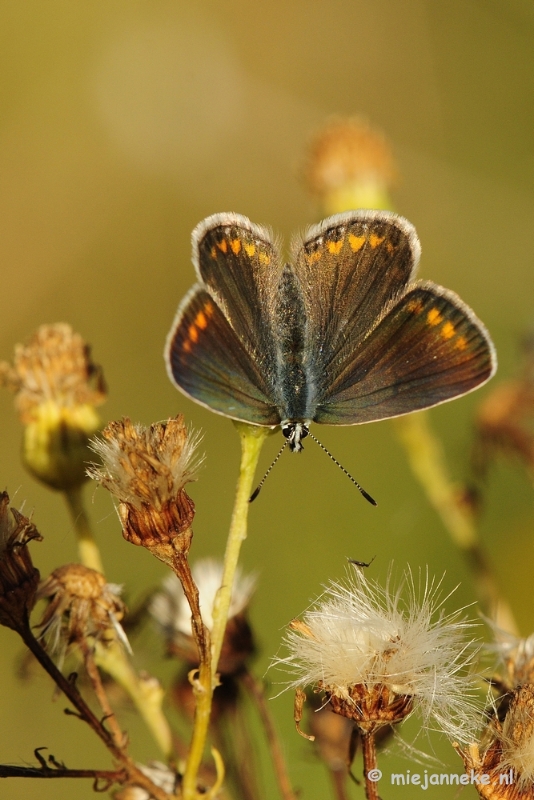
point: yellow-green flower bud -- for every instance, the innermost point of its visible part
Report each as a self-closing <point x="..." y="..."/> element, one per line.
<point x="57" y="387"/>
<point x="349" y="165"/>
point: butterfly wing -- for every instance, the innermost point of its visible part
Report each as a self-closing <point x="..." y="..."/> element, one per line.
<point x="220" y="350"/>
<point x="239" y="265"/>
<point x="351" y="267"/>
<point x="428" y="347"/>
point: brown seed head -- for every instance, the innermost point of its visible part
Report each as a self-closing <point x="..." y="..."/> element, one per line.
<point x="55" y="365"/>
<point x="81" y="605"/>
<point x="370" y="708"/>
<point x="147" y="470"/>
<point x="18" y="577"/>
<point x="506" y="753"/>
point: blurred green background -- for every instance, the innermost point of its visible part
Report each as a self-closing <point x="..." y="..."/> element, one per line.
<point x="125" y="123"/>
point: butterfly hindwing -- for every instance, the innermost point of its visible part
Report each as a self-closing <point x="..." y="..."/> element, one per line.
<point x="429" y="347"/>
<point x="209" y="363"/>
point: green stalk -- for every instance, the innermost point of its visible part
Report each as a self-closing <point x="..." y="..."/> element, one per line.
<point x="87" y="546"/>
<point x="427" y="460"/>
<point x="252" y="438"/>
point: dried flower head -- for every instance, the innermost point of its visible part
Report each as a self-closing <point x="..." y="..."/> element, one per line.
<point x="349" y="165"/>
<point x="377" y="658"/>
<point x="147" y="470"/>
<point x="505" y="419"/>
<point x="504" y="759"/>
<point x="57" y="388"/>
<point x="505" y="751"/>
<point x="159" y="774"/>
<point x="81" y="606"/>
<point x="172" y="613"/>
<point x="18" y="577"/>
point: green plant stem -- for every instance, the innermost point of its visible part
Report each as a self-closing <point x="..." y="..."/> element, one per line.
<point x="87" y="546"/>
<point x="252" y="438"/>
<point x="427" y="460"/>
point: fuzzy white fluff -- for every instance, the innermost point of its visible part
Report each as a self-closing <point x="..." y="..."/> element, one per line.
<point x="361" y="633"/>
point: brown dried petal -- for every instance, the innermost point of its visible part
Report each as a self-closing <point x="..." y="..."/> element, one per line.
<point x="18" y="577"/>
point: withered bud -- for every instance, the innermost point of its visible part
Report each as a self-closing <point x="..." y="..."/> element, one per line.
<point x="370" y="708"/>
<point x="147" y="470"/>
<point x="504" y="760"/>
<point x="349" y="165"/>
<point x="81" y="606"/>
<point x="57" y="388"/>
<point x="505" y="419"/>
<point x="18" y="577"/>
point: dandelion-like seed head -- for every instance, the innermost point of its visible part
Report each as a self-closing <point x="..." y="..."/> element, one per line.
<point x="18" y="577"/>
<point x="349" y="165"/>
<point x="171" y="611"/>
<point x="378" y="657"/>
<point x="57" y="388"/>
<point x="147" y="470"/>
<point x="81" y="606"/>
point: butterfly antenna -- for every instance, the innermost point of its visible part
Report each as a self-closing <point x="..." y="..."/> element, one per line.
<point x="257" y="490"/>
<point x="342" y="468"/>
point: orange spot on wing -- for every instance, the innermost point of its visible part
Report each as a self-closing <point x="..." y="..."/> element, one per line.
<point x="192" y="333"/>
<point x="264" y="258"/>
<point x="415" y="306"/>
<point x="460" y="343"/>
<point x="434" y="317"/>
<point x="235" y="244"/>
<point x="208" y="308"/>
<point x="375" y="240"/>
<point x="356" y="242"/>
<point x="250" y="249"/>
<point x="213" y="252"/>
<point x="390" y="247"/>
<point x="334" y="247"/>
<point x="201" y="320"/>
<point x="187" y="346"/>
<point x="313" y="257"/>
<point x="223" y="246"/>
<point x="448" y="330"/>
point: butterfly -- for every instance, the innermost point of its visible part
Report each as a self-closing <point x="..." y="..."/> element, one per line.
<point x="341" y="335"/>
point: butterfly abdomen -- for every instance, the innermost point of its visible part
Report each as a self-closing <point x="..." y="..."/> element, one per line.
<point x="295" y="385"/>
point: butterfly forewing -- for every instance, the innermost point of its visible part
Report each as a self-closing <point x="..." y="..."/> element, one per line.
<point x="351" y="267"/>
<point x="240" y="267"/>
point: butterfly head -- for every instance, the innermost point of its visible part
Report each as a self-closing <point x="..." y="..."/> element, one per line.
<point x="294" y="433"/>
